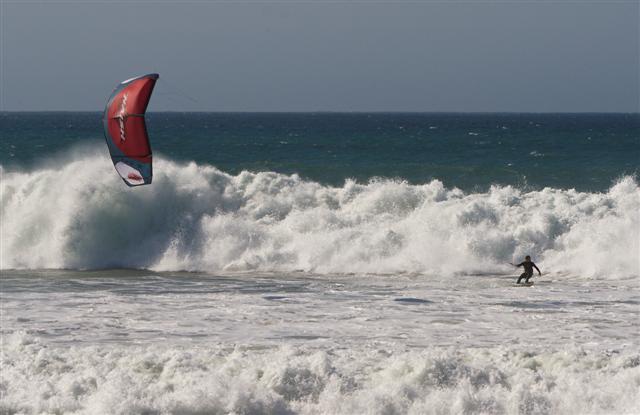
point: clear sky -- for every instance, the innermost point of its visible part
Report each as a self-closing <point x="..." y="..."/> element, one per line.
<point x="540" y="56"/>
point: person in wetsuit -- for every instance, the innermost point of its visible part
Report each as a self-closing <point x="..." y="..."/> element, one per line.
<point x="528" y="269"/>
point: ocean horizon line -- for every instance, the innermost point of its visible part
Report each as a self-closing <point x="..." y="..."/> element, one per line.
<point x="341" y="112"/>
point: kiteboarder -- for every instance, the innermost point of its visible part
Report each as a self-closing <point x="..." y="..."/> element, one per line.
<point x="528" y="269"/>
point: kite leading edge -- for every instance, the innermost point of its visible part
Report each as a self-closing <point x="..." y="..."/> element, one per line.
<point x="125" y="129"/>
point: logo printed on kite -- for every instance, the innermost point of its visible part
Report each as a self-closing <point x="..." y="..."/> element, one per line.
<point x="122" y="116"/>
<point x="130" y="174"/>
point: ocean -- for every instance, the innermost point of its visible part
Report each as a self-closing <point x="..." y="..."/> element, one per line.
<point x="322" y="263"/>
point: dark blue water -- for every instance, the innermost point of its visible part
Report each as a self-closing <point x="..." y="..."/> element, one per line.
<point x="471" y="151"/>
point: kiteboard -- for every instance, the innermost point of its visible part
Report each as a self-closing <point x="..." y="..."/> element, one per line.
<point x="523" y="284"/>
<point x="125" y="129"/>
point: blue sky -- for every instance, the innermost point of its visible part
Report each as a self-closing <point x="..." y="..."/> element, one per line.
<point x="324" y="56"/>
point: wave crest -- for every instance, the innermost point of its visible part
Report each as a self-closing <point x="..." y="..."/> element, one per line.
<point x="195" y="217"/>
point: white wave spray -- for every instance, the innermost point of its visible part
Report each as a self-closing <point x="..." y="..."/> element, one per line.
<point x="77" y="214"/>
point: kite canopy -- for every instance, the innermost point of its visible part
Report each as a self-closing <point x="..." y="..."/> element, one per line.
<point x="126" y="131"/>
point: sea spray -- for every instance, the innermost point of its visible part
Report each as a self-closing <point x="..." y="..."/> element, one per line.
<point x="195" y="217"/>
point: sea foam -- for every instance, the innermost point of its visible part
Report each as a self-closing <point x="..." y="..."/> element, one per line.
<point x="77" y="214"/>
<point x="114" y="379"/>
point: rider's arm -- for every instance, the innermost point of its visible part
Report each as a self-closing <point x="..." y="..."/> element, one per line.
<point x="534" y="265"/>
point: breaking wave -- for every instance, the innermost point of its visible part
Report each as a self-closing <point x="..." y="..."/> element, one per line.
<point x="77" y="214"/>
<point x="198" y="380"/>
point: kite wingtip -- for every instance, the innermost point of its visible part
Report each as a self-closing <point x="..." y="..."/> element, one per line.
<point x="153" y="76"/>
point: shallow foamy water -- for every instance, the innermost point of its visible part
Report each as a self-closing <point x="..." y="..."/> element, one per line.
<point x="147" y="342"/>
<point x="141" y="307"/>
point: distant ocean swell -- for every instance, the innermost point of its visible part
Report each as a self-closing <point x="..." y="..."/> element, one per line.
<point x="125" y="380"/>
<point x="78" y="214"/>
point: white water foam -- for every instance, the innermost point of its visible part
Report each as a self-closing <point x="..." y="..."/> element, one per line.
<point x="287" y="380"/>
<point x="78" y="214"/>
